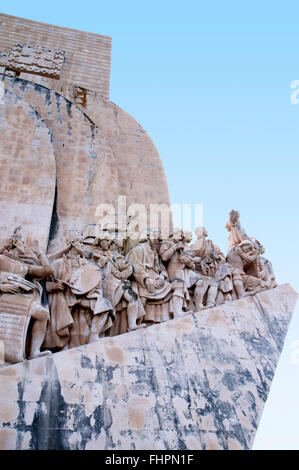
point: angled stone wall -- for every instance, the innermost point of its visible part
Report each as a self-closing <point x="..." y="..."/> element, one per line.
<point x="198" y="382"/>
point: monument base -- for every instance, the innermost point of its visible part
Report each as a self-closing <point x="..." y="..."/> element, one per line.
<point x="197" y="382"/>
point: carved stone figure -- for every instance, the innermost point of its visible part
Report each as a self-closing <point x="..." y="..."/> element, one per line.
<point x="161" y="296"/>
<point x="237" y="233"/>
<point x="181" y="267"/>
<point x="80" y="314"/>
<point x="208" y="251"/>
<point x="116" y="285"/>
<point x="95" y="290"/>
<point x="242" y="257"/>
<point x="260" y="267"/>
<point x="20" y="299"/>
<point x="212" y="263"/>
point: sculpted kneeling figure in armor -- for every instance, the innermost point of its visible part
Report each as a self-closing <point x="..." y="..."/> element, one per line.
<point x="256" y="265"/>
<point x="241" y="257"/>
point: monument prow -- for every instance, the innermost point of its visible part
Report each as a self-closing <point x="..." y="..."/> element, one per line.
<point x="196" y="382"/>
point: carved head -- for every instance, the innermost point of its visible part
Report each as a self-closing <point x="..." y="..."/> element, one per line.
<point x="16" y="242"/>
<point x="154" y="237"/>
<point x="117" y="244"/>
<point x="201" y="232"/>
<point x="76" y="242"/>
<point x="176" y="234"/>
<point x="246" y="246"/>
<point x="104" y="240"/>
<point x="187" y="236"/>
<point x="258" y="246"/>
<point x="233" y="219"/>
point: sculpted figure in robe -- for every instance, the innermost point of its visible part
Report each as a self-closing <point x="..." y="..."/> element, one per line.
<point x="20" y="271"/>
<point x="162" y="298"/>
<point x="181" y="266"/>
<point x="117" y="288"/>
<point x="237" y="233"/>
<point x="208" y="251"/>
<point x="80" y="314"/>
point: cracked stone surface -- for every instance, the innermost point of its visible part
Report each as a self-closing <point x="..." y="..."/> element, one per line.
<point x="198" y="382"/>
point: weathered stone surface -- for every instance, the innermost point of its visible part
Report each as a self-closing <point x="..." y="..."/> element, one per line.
<point x="198" y="382"/>
<point x="100" y="151"/>
<point x="36" y="60"/>
<point x="87" y="55"/>
<point x="141" y="173"/>
<point x="95" y="162"/>
<point x="28" y="173"/>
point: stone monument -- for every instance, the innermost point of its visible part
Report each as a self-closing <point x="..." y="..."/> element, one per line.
<point x="112" y="336"/>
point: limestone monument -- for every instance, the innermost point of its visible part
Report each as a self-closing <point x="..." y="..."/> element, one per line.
<point x="115" y="335"/>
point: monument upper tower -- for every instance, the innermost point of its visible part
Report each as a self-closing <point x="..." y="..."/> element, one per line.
<point x="86" y="57"/>
<point x="92" y="150"/>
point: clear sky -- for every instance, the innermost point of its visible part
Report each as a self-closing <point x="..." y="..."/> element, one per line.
<point x="211" y="84"/>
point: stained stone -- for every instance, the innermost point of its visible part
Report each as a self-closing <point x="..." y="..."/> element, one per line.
<point x="112" y="342"/>
<point x="198" y="382"/>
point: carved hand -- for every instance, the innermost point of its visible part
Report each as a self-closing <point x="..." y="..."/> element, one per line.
<point x="118" y="274"/>
<point x="58" y="285"/>
<point x="159" y="281"/>
<point x="150" y="284"/>
<point x="9" y="288"/>
<point x="179" y="246"/>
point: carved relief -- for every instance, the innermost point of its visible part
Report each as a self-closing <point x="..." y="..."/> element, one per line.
<point x="96" y="288"/>
<point x="80" y="313"/>
<point x="3" y="59"/>
<point x="35" y="59"/>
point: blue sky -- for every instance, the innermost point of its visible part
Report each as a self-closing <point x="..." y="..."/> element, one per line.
<point x="211" y="83"/>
